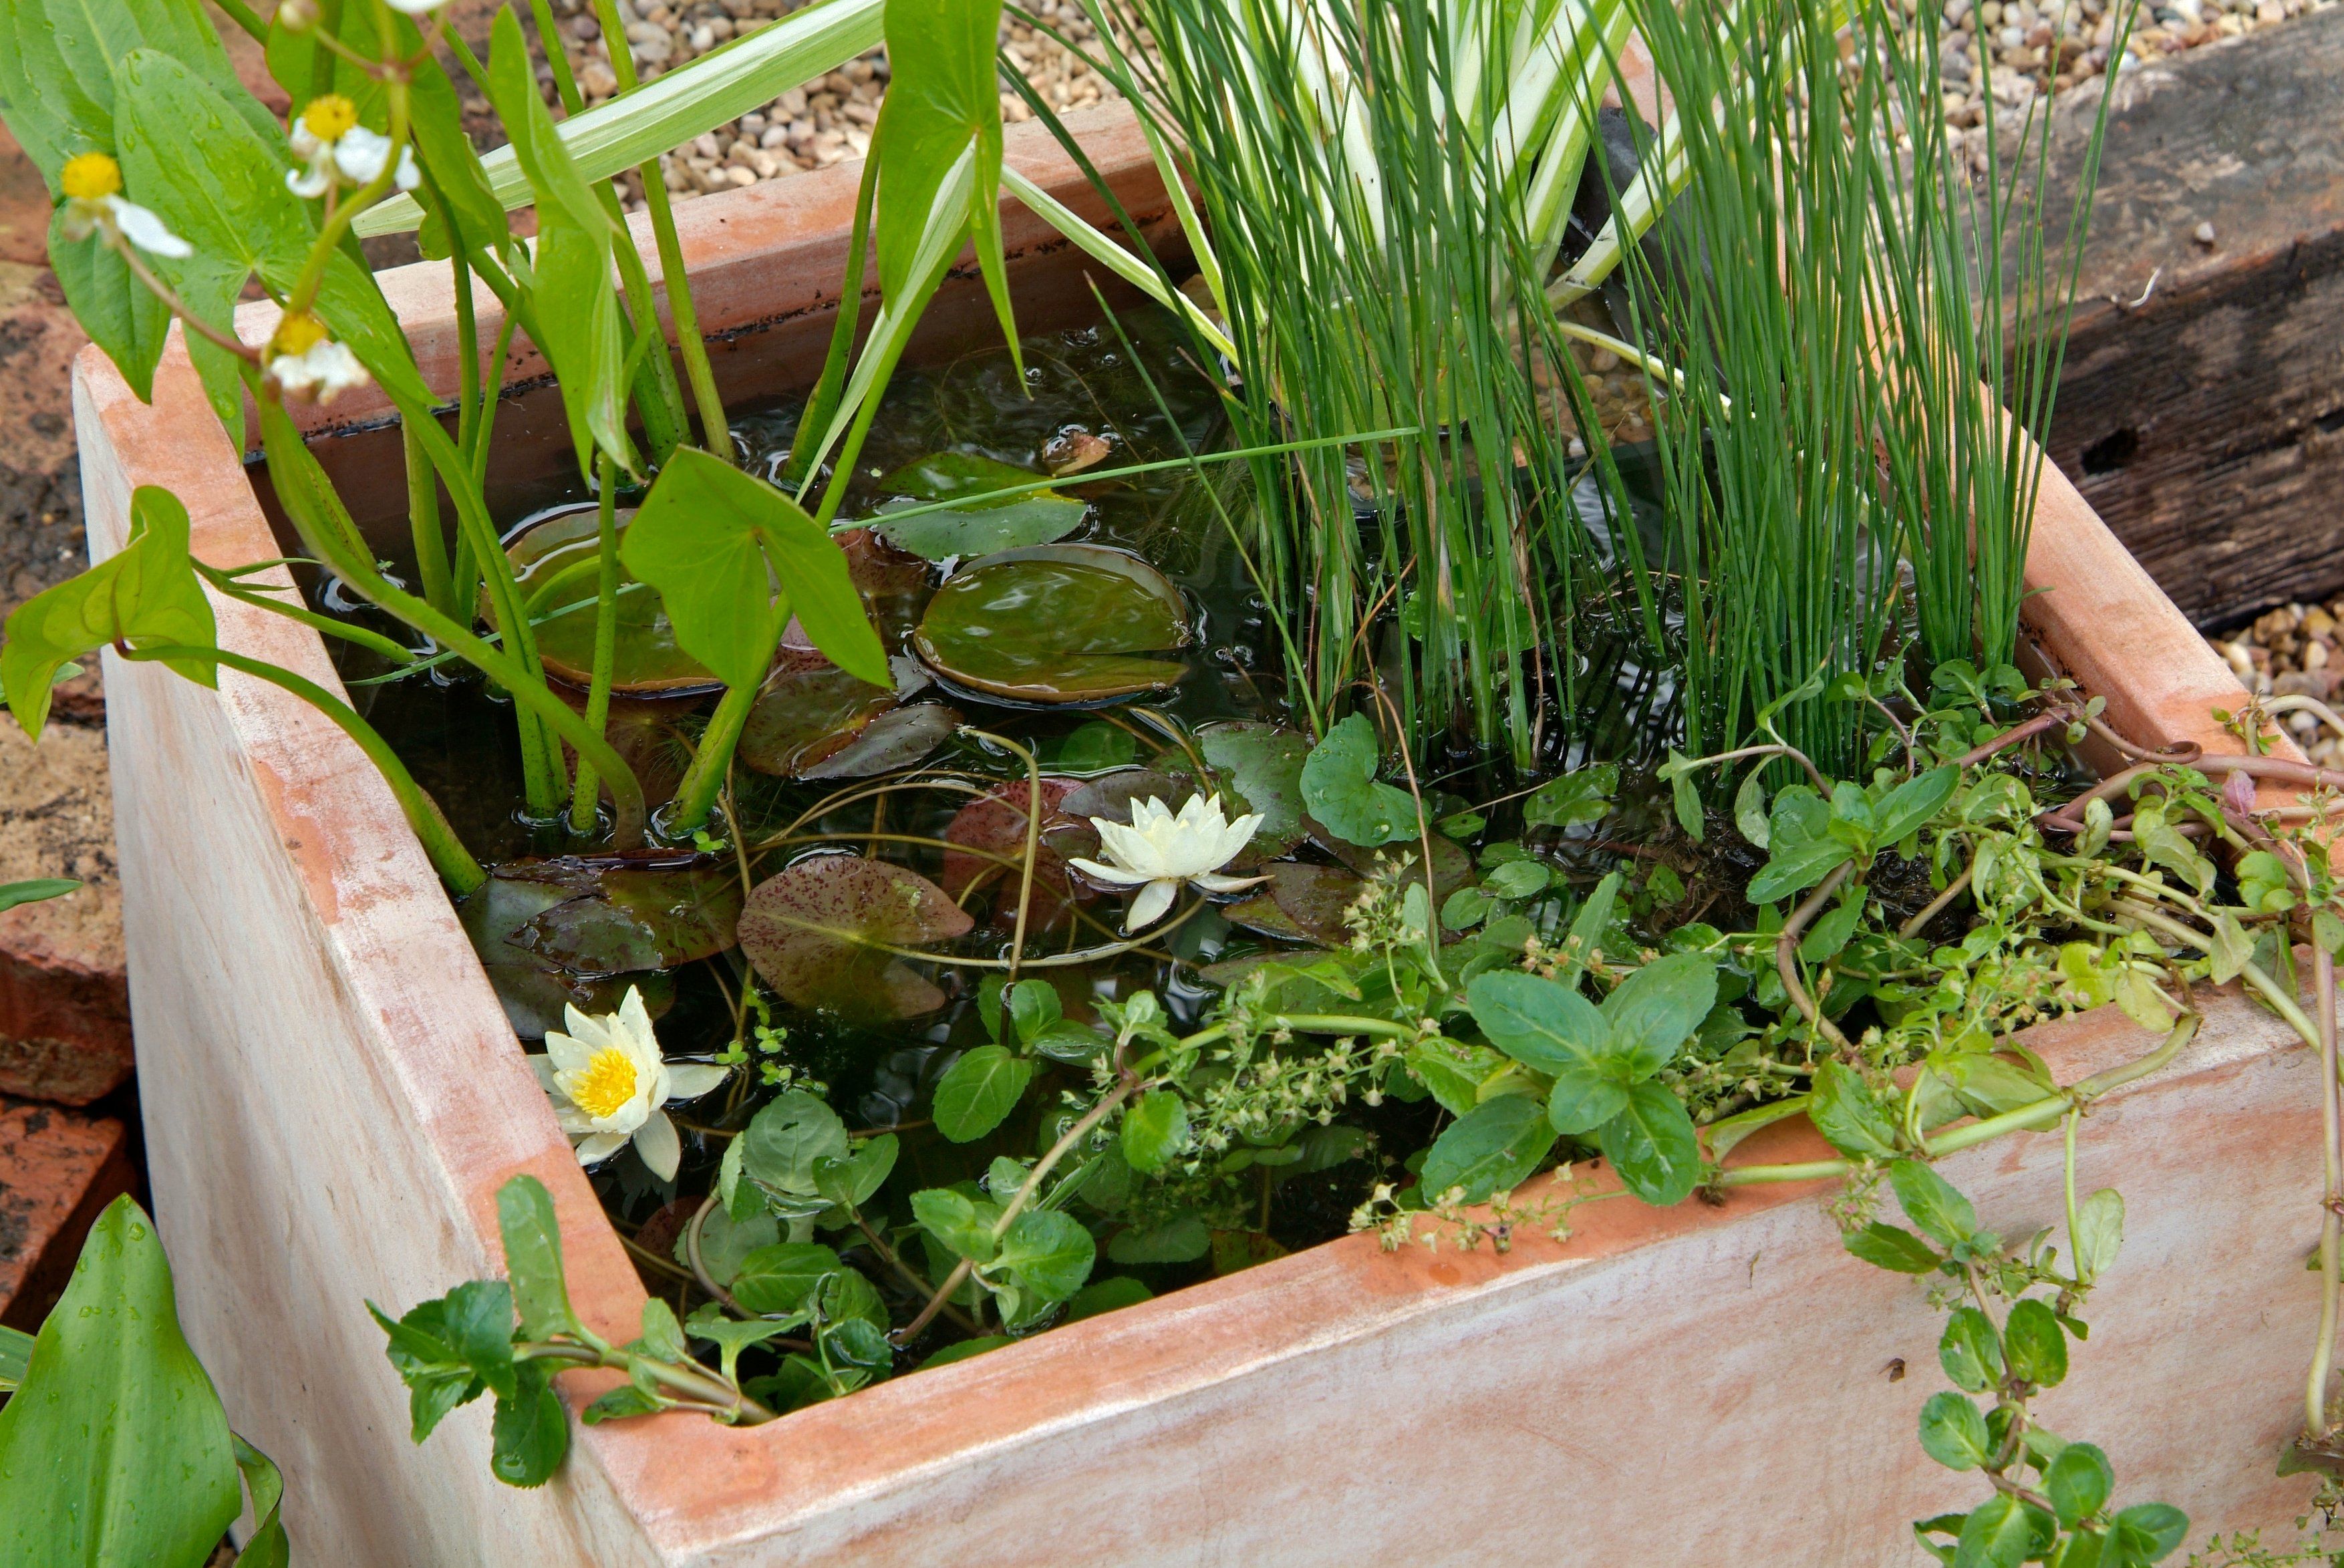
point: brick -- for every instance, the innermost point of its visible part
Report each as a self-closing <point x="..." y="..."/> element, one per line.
<point x="65" y="1000"/>
<point x="57" y="1170"/>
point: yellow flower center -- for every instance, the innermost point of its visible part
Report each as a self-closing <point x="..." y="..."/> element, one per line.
<point x="296" y="335"/>
<point x="607" y="1084"/>
<point x="328" y="116"/>
<point x="90" y="176"/>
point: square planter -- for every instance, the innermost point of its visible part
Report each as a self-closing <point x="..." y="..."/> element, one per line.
<point x="333" y="1097"/>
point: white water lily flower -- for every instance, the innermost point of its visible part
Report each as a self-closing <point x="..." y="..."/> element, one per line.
<point x="94" y="201"/>
<point x="309" y="365"/>
<point x="607" y="1080"/>
<point x="1162" y="851"/>
<point x="334" y="148"/>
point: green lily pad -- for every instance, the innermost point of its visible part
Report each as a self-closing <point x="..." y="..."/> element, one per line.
<point x="557" y="569"/>
<point x="814" y="721"/>
<point x="1008" y="522"/>
<point x="821" y="930"/>
<point x="533" y="986"/>
<point x="613" y="915"/>
<point x="1260" y="767"/>
<point x="1056" y="623"/>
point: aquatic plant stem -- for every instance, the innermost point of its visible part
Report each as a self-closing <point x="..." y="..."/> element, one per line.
<point x="715" y="431"/>
<point x="587" y="790"/>
<point x="705" y="776"/>
<point x="1786" y="954"/>
<point x="2042" y="1113"/>
<point x="423" y="521"/>
<point x="1033" y="838"/>
<point x="447" y="854"/>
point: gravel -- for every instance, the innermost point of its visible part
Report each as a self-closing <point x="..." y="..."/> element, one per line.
<point x="810" y="127"/>
<point x="2294" y="650"/>
<point x="2026" y="47"/>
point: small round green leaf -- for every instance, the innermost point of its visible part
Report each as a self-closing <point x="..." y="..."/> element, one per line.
<point x="2078" y="1483"/>
<point x="2037" y="1345"/>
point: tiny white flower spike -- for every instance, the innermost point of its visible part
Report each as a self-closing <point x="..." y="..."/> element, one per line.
<point x="335" y="149"/>
<point x="607" y="1082"/>
<point x="414" y="7"/>
<point x="309" y="365"/>
<point x="1158" y="851"/>
<point x="361" y="155"/>
<point x="94" y="201"/>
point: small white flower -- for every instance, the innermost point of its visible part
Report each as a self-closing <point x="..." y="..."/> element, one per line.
<point x="607" y="1080"/>
<point x="335" y="149"/>
<point x="414" y="7"/>
<point x="94" y="201"/>
<point x="309" y="365"/>
<point x="1162" y="851"/>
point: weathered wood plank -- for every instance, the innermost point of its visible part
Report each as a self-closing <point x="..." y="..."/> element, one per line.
<point x="2203" y="417"/>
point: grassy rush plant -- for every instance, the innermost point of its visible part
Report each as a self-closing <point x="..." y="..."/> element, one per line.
<point x="1379" y="193"/>
<point x="1783" y="554"/>
<point x="1981" y="286"/>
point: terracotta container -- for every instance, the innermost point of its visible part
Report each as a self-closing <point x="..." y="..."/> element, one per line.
<point x="333" y="1097"/>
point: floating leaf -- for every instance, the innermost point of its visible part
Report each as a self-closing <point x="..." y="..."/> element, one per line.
<point x="820" y="931"/>
<point x="1056" y="623"/>
<point x="1581" y="795"/>
<point x="1261" y="765"/>
<point x="616" y="915"/>
<point x="534" y="988"/>
<point x="992" y="828"/>
<point x="981" y="528"/>
<point x="1340" y="789"/>
<point x="809" y="712"/>
<point x="555" y="563"/>
<point x="1300" y="902"/>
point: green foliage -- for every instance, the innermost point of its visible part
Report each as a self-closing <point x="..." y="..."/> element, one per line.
<point x="115" y="1443"/>
<point x="144" y="595"/>
<point x="1340" y="787"/>
<point x="734" y="558"/>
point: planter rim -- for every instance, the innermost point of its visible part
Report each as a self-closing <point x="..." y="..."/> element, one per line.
<point x="704" y="1494"/>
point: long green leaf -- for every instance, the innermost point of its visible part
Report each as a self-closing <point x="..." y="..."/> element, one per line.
<point x="717" y="88"/>
<point x="116" y="1449"/>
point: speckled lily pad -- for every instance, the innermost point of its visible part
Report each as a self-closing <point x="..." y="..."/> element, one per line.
<point x="1056" y="623"/>
<point x="821" y="930"/>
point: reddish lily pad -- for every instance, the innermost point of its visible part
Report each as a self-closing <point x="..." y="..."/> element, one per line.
<point x="821" y="930"/>
<point x="1056" y="623"/>
<point x="556" y="564"/>
<point x="1302" y="902"/>
<point x="994" y="825"/>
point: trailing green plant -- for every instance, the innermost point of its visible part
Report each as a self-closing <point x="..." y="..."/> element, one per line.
<point x="1546" y="1008"/>
<point x="113" y="1446"/>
